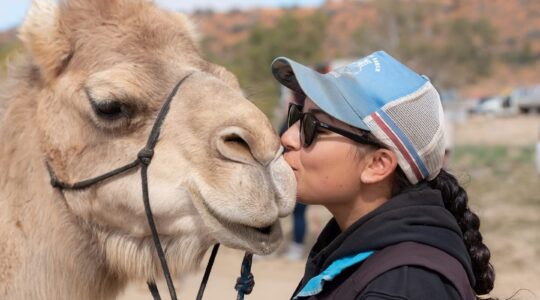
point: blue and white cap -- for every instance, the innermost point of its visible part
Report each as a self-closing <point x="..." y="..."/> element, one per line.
<point x="379" y="94"/>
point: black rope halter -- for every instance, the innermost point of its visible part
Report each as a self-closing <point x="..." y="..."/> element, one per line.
<point x="144" y="158"/>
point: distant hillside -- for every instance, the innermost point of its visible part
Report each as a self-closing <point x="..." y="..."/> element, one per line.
<point x="506" y="39"/>
<point x="517" y="21"/>
<point x="8" y="36"/>
<point x="8" y="44"/>
<point x="510" y="28"/>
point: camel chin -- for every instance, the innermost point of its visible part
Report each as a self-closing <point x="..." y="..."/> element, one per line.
<point x="256" y="230"/>
<point x="261" y="241"/>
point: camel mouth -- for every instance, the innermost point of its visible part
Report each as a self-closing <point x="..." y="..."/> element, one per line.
<point x="264" y="230"/>
<point x="258" y="240"/>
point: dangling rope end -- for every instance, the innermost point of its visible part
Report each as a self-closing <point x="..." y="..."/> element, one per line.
<point x="246" y="281"/>
<point x="153" y="289"/>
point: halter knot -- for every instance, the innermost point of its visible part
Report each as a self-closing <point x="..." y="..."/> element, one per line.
<point x="145" y="156"/>
<point x="244" y="284"/>
<point x="56" y="184"/>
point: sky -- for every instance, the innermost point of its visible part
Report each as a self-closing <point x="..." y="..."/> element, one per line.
<point x="12" y="11"/>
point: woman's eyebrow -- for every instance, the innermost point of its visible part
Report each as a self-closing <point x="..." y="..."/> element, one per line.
<point x="318" y="111"/>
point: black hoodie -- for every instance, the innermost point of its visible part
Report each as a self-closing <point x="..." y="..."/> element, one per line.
<point x="416" y="215"/>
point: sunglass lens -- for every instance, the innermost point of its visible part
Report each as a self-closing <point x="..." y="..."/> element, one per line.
<point x="294" y="115"/>
<point x="308" y="130"/>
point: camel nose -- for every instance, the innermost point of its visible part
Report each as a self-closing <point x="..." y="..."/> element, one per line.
<point x="238" y="144"/>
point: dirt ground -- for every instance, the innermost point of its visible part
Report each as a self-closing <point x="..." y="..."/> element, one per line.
<point x="275" y="276"/>
<point x="504" y="191"/>
<point x="505" y="131"/>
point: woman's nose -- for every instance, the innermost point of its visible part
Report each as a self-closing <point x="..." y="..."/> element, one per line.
<point x="290" y="139"/>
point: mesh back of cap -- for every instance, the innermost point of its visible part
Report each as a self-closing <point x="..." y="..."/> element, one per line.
<point x="414" y="128"/>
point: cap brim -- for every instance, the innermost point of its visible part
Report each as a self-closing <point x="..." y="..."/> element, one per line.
<point x="318" y="87"/>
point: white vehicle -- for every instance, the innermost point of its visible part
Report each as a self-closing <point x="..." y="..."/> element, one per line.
<point x="527" y="99"/>
<point x="489" y="105"/>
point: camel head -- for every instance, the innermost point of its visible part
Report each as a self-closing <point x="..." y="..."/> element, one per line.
<point x="103" y="71"/>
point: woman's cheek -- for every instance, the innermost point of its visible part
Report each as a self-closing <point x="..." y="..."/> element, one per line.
<point x="317" y="181"/>
<point x="315" y="161"/>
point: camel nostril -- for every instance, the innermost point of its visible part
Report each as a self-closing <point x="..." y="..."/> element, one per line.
<point x="242" y="145"/>
<point x="233" y="145"/>
<point x="234" y="140"/>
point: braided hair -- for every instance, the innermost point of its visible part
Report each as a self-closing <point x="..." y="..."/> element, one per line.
<point x="456" y="201"/>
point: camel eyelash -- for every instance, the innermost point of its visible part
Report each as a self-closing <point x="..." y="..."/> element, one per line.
<point x="110" y="110"/>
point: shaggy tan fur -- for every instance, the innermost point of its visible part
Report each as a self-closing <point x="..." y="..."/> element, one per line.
<point x="217" y="174"/>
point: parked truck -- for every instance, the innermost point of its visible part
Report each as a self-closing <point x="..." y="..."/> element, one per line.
<point x="527" y="99"/>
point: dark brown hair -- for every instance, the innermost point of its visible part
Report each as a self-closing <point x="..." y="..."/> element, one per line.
<point x="456" y="200"/>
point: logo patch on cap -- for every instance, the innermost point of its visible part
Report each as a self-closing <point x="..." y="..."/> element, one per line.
<point x="357" y="67"/>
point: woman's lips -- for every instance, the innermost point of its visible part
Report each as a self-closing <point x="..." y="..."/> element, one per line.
<point x="289" y="163"/>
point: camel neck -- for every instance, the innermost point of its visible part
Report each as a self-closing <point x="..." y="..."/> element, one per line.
<point x="48" y="244"/>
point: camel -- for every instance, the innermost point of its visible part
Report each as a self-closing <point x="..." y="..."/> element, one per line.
<point x="83" y="98"/>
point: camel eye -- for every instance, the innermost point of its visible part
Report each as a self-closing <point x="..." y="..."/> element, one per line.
<point x="110" y="110"/>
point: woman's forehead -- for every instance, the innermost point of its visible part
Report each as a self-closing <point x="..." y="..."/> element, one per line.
<point x="310" y="106"/>
<point x="321" y="115"/>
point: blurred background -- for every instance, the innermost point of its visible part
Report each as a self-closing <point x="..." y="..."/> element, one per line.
<point x="482" y="55"/>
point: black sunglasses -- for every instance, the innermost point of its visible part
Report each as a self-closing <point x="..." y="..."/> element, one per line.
<point x="309" y="125"/>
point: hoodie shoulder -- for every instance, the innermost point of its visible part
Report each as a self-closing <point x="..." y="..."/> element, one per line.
<point x="409" y="283"/>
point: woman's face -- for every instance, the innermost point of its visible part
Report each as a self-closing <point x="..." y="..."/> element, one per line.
<point x="328" y="171"/>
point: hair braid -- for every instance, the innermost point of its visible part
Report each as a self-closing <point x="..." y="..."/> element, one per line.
<point x="456" y="201"/>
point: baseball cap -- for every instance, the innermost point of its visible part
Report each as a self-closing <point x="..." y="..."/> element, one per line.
<point x="377" y="93"/>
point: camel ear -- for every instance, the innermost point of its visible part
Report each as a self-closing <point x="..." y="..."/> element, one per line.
<point x="190" y="27"/>
<point x="224" y="75"/>
<point x="44" y="38"/>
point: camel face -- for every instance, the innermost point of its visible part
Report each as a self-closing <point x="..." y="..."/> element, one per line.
<point x="108" y="67"/>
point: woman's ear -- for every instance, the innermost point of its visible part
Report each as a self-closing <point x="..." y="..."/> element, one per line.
<point x="379" y="165"/>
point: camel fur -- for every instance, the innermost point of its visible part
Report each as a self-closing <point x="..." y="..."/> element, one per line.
<point x="83" y="97"/>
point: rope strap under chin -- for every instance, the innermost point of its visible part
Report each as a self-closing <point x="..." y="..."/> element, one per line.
<point x="245" y="283"/>
<point x="207" y="271"/>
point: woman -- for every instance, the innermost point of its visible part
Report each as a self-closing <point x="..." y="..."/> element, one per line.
<point x="368" y="144"/>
